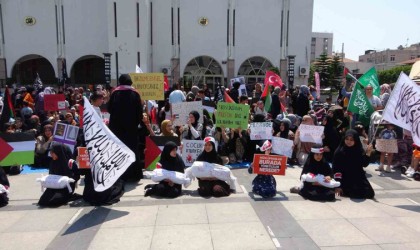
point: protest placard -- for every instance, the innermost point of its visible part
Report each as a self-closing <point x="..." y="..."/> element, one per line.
<point x="282" y="146"/>
<point x="387" y="145"/>
<point x="182" y="110"/>
<point x="269" y="164"/>
<point x="232" y="115"/>
<point x="149" y="85"/>
<point x="54" y="102"/>
<point x="240" y="79"/>
<point x="261" y="130"/>
<point x="311" y="133"/>
<point x="66" y="134"/>
<point x="191" y="149"/>
<point x="83" y="158"/>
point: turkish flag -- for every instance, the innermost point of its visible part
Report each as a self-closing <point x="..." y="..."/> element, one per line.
<point x="165" y="83"/>
<point x="272" y="78"/>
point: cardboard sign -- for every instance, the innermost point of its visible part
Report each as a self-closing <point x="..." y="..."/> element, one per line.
<point x="182" y="110"/>
<point x="269" y="164"/>
<point x="311" y="133"/>
<point x="83" y="158"/>
<point x="387" y="145"/>
<point x="191" y="149"/>
<point x="149" y="85"/>
<point x="54" y="102"/>
<point x="66" y="134"/>
<point x="237" y="79"/>
<point x="261" y="130"/>
<point x="282" y="146"/>
<point x="232" y="115"/>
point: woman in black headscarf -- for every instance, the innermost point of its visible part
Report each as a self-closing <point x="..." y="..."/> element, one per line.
<point x="316" y="164"/>
<point x="331" y="138"/>
<point x="348" y="163"/>
<point x="193" y="129"/>
<point x="60" y="154"/>
<point x="211" y="186"/>
<point x="169" y="160"/>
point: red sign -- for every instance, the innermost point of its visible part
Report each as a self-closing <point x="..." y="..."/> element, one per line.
<point x="269" y="164"/>
<point x="54" y="102"/>
<point x="83" y="159"/>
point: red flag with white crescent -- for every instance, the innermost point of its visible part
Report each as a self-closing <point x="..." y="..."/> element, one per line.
<point x="272" y="78"/>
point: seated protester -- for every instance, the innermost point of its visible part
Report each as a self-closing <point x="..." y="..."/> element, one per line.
<point x="169" y="160"/>
<point x="264" y="185"/>
<point x="70" y="120"/>
<point x="4" y="200"/>
<point x="316" y="164"/>
<point x="284" y="129"/>
<point x="237" y="145"/>
<point x="221" y="136"/>
<point x="350" y="173"/>
<point x="60" y="154"/>
<point x="207" y="124"/>
<point x="211" y="186"/>
<point x="303" y="148"/>
<point x="193" y="129"/>
<point x="42" y="146"/>
<point x="166" y="129"/>
<point x="331" y="138"/>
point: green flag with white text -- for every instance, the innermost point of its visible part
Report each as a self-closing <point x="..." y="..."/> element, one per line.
<point x="371" y="77"/>
<point x="359" y="104"/>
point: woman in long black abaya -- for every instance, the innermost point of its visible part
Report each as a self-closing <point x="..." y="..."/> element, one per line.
<point x="316" y="164"/>
<point x="60" y="154"/>
<point x="169" y="160"/>
<point x="348" y="163"/>
<point x="211" y="186"/>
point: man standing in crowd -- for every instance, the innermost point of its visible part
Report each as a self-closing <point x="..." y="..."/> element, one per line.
<point x="125" y="111"/>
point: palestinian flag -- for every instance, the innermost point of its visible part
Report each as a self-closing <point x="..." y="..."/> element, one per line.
<point x="154" y="147"/>
<point x="17" y="149"/>
<point x="8" y="111"/>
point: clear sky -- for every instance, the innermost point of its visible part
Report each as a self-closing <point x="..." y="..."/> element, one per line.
<point x="368" y="24"/>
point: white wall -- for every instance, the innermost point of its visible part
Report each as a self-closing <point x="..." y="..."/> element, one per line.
<point x="162" y="41"/>
<point x="198" y="40"/>
<point x="300" y="32"/>
<point x="257" y="31"/>
<point x="21" y="39"/>
<point x="86" y="29"/>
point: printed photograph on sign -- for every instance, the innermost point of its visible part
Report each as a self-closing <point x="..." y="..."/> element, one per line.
<point x="72" y="132"/>
<point x="60" y="129"/>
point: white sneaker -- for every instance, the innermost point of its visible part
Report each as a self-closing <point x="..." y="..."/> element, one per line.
<point x="410" y="174"/>
<point x="410" y="170"/>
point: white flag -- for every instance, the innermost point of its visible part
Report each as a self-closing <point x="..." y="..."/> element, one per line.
<point x="109" y="157"/>
<point x="403" y="106"/>
<point x="138" y="69"/>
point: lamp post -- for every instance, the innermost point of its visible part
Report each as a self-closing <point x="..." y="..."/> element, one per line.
<point x="107" y="69"/>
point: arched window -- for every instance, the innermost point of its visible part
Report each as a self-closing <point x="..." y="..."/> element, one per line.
<point x="25" y="70"/>
<point x="253" y="69"/>
<point x="88" y="69"/>
<point x="203" y="70"/>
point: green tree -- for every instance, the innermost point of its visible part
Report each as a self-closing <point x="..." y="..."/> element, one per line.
<point x="275" y="70"/>
<point x="330" y="71"/>
<point x="391" y="75"/>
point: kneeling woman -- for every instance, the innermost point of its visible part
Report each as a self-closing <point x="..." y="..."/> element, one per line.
<point x="348" y="163"/>
<point x="316" y="164"/>
<point x="211" y="186"/>
<point x="169" y="160"/>
<point x="60" y="155"/>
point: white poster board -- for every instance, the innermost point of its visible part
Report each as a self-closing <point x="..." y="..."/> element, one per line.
<point x="191" y="149"/>
<point x="311" y="133"/>
<point x="387" y="145"/>
<point x="282" y="146"/>
<point x="182" y="110"/>
<point x="261" y="130"/>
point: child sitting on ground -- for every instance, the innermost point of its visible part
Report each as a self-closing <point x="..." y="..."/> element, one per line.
<point x="264" y="185"/>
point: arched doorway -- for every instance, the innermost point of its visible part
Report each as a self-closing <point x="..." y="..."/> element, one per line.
<point x="25" y="69"/>
<point x="253" y="69"/>
<point x="203" y="69"/>
<point x="88" y="70"/>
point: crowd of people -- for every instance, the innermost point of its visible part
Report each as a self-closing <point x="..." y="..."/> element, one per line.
<point x="132" y="119"/>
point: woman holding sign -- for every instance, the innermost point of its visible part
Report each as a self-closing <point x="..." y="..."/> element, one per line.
<point x="211" y="186"/>
<point x="348" y="163"/>
<point x="193" y="129"/>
